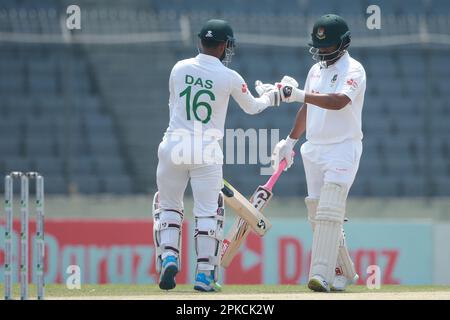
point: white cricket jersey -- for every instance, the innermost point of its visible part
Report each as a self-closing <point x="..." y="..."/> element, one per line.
<point x="200" y="89"/>
<point x="346" y="76"/>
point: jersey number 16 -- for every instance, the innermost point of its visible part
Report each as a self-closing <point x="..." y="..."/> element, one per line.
<point x="197" y="104"/>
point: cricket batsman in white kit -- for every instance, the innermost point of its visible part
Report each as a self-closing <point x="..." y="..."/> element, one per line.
<point x="332" y="102"/>
<point x="200" y="89"/>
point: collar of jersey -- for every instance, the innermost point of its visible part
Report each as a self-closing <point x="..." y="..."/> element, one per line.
<point x="208" y="58"/>
<point x="341" y="63"/>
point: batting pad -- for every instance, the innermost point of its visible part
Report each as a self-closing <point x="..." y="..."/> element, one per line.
<point x="344" y="261"/>
<point x="208" y="237"/>
<point x="327" y="233"/>
<point x="169" y="227"/>
<point x="311" y="206"/>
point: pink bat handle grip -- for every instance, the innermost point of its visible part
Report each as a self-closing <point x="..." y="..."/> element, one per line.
<point x="273" y="179"/>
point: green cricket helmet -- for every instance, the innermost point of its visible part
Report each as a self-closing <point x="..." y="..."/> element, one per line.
<point x="216" y="30"/>
<point x="329" y="30"/>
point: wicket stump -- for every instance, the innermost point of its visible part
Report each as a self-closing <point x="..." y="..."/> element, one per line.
<point x="24" y="222"/>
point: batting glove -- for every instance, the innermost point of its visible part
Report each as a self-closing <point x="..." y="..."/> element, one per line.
<point x="262" y="88"/>
<point x="269" y="90"/>
<point x="283" y="150"/>
<point x="289" y="91"/>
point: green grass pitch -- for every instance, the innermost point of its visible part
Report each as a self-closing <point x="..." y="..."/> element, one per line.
<point x="119" y="290"/>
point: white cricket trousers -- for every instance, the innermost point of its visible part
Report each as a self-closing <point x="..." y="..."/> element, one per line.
<point x="335" y="163"/>
<point x="205" y="177"/>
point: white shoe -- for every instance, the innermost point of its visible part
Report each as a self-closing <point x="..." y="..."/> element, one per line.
<point x="341" y="282"/>
<point x="318" y="284"/>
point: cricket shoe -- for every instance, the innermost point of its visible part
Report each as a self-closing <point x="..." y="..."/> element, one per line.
<point x="341" y="282"/>
<point x="168" y="273"/>
<point x="205" y="282"/>
<point x="318" y="284"/>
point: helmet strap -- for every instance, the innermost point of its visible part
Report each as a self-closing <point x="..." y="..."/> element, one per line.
<point x="325" y="58"/>
<point x="228" y="53"/>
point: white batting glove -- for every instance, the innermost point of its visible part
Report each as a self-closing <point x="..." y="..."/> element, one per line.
<point x="283" y="150"/>
<point x="262" y="88"/>
<point x="289" y="91"/>
<point x="274" y="97"/>
<point x="289" y="80"/>
<point x="268" y="89"/>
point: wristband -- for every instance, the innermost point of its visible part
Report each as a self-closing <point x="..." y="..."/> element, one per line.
<point x="291" y="141"/>
<point x="298" y="95"/>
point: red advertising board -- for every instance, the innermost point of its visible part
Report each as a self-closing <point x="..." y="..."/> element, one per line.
<point x="122" y="251"/>
<point x="107" y="251"/>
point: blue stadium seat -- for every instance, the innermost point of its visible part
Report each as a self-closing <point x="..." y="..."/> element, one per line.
<point x="11" y="126"/>
<point x="316" y="8"/>
<point x="360" y="187"/>
<point x="398" y="106"/>
<point x="87" y="184"/>
<point x="440" y="87"/>
<point x="440" y="124"/>
<point x="78" y="85"/>
<point x="442" y="186"/>
<point x="37" y="147"/>
<point x="439" y="65"/>
<point x="117" y="184"/>
<point x="88" y="103"/>
<point x="69" y="125"/>
<point x="401" y="166"/>
<point x="438" y="7"/>
<point x="96" y="123"/>
<point x="415" y="86"/>
<point x="9" y="146"/>
<point x="42" y="84"/>
<point x="409" y="125"/>
<point x="41" y="127"/>
<point x="11" y="84"/>
<point x="20" y="102"/>
<point x="413" y="186"/>
<point x="104" y="147"/>
<point x="371" y="166"/>
<point x="53" y="105"/>
<point x="395" y="148"/>
<point x="416" y="7"/>
<point x="413" y="64"/>
<point x="14" y="163"/>
<point x="109" y="165"/>
<point x="351" y="8"/>
<point x="82" y="165"/>
<point x="377" y="126"/>
<point x="40" y="67"/>
<point x="386" y="186"/>
<point x="388" y="86"/>
<point x="11" y="66"/>
<point x="380" y="65"/>
<point x="54" y="184"/>
<point x="49" y="165"/>
<point x="76" y="145"/>
<point x="440" y="166"/>
<point x="388" y="7"/>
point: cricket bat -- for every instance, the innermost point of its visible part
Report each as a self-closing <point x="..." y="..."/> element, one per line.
<point x="244" y="209"/>
<point x="240" y="229"/>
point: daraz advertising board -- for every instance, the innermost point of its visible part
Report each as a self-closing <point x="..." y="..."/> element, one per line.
<point x="122" y="251"/>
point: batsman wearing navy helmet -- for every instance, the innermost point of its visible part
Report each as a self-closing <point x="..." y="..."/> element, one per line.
<point x="200" y="89"/>
<point x="330" y="114"/>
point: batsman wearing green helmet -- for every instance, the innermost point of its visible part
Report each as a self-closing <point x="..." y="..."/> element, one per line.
<point x="330" y="114"/>
<point x="200" y="89"/>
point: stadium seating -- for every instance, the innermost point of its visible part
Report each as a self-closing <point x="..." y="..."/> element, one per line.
<point x="91" y="117"/>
